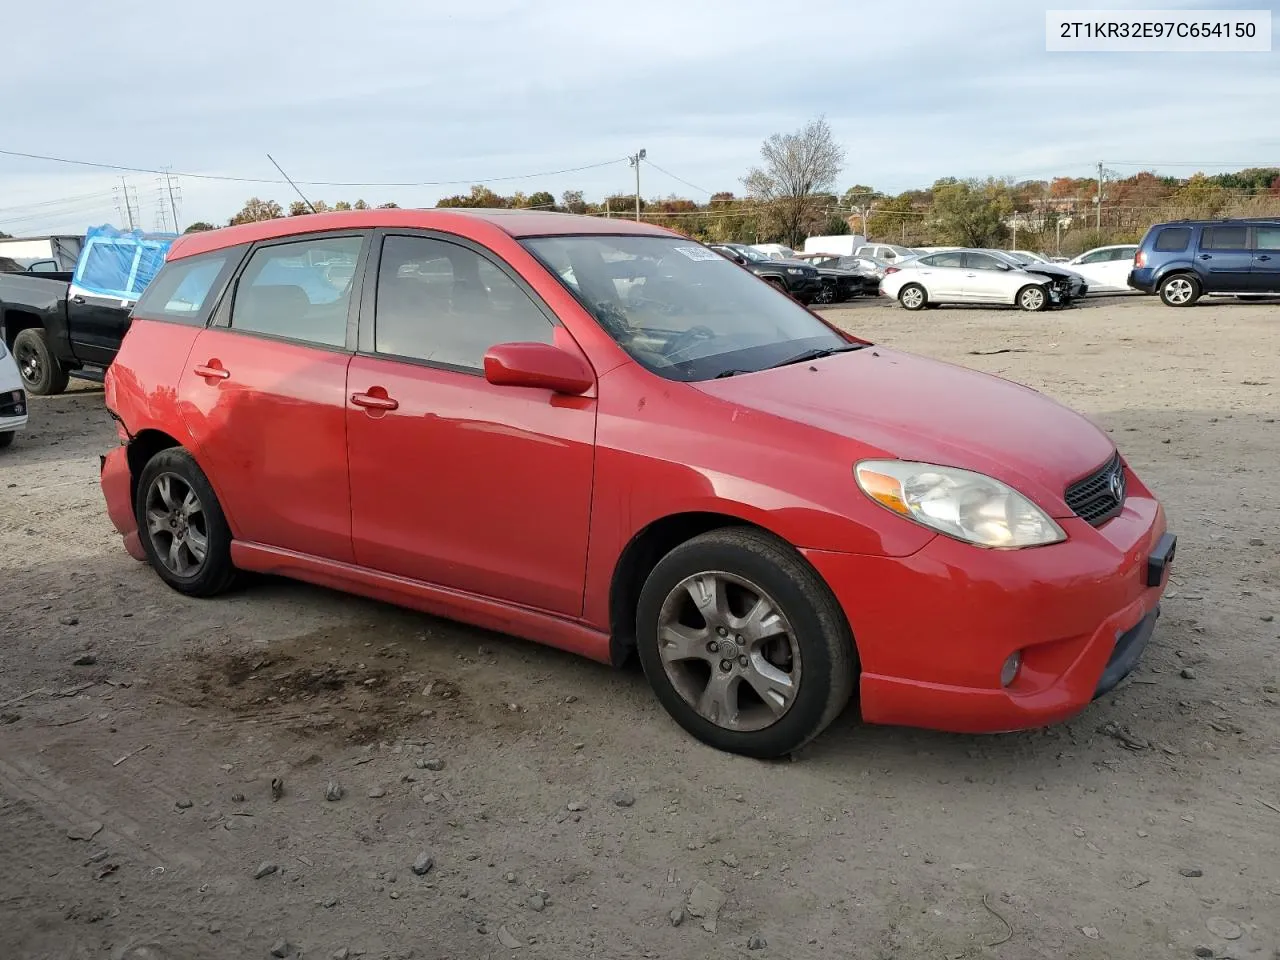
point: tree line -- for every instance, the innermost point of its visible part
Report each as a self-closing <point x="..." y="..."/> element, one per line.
<point x="791" y="194"/>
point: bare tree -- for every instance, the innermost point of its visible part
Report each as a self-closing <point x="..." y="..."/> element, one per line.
<point x="796" y="167"/>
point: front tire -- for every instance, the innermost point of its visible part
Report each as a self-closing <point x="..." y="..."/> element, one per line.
<point x="6" y="438"/>
<point x="182" y="527"/>
<point x="1179" y="290"/>
<point x="41" y="372"/>
<point x="744" y="644"/>
<point x="1033" y="297"/>
<point x="913" y="297"/>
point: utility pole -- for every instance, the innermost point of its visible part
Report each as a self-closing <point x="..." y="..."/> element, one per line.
<point x="607" y="214"/>
<point x="128" y="209"/>
<point x="173" y="204"/>
<point x="1097" y="222"/>
<point x="635" y="162"/>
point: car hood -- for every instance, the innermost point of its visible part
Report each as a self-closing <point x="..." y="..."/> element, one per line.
<point x="893" y="404"/>
<point x="1050" y="270"/>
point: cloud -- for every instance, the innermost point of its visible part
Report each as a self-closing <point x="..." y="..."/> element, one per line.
<point x="409" y="91"/>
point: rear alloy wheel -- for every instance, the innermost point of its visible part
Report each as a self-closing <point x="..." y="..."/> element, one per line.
<point x="41" y="372"/>
<point x="1179" y="290"/>
<point x="913" y="297"/>
<point x="182" y="527"/>
<point x="1033" y="297"/>
<point x="744" y="644"/>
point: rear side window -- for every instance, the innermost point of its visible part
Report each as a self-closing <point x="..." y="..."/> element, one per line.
<point x="1173" y="239"/>
<point x="299" y="290"/>
<point x="181" y="291"/>
<point x="944" y="260"/>
<point x="1225" y="238"/>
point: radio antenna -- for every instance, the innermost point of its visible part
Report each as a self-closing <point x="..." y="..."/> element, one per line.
<point x="292" y="184"/>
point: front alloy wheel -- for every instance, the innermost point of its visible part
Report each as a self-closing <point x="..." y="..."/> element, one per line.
<point x="743" y="643"/>
<point x="729" y="651"/>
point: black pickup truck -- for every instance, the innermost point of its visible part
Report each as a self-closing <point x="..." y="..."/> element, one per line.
<point x="54" y="334"/>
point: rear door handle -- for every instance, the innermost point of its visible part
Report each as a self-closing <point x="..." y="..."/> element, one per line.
<point x="1206" y="256"/>
<point x="374" y="402"/>
<point x="1263" y="257"/>
<point x="209" y="371"/>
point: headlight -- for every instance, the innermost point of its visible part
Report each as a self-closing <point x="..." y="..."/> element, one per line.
<point x="959" y="503"/>
<point x="795" y="271"/>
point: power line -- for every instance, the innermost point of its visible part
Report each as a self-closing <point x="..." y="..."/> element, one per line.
<point x="680" y="179"/>
<point x="309" y="183"/>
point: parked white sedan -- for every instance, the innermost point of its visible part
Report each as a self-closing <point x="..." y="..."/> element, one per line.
<point x="966" y="276"/>
<point x="13" y="399"/>
<point x="1106" y="268"/>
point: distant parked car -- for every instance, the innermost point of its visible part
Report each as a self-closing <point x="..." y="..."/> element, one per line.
<point x="1030" y="255"/>
<point x="1106" y="268"/>
<point x="775" y="251"/>
<point x="1184" y="260"/>
<point x="790" y="276"/>
<point x="13" y="398"/>
<point x="888" y="252"/>
<point x="869" y="270"/>
<point x="968" y="276"/>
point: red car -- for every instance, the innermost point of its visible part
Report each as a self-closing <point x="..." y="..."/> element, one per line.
<point x="605" y="437"/>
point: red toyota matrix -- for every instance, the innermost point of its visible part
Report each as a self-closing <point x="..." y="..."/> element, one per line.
<point x="606" y="437"/>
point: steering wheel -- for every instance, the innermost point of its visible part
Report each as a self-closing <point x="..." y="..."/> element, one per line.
<point x="614" y="321"/>
<point x="687" y="340"/>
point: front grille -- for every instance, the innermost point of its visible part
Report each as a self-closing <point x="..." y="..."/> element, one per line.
<point x="1099" y="497"/>
<point x="12" y="403"/>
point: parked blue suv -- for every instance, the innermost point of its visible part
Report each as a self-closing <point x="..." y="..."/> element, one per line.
<point x="1186" y="259"/>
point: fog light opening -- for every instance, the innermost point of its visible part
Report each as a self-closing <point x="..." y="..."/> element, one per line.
<point x="1009" y="672"/>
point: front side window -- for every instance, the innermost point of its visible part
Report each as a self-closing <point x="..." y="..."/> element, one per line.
<point x="299" y="290"/>
<point x="679" y="309"/>
<point x="444" y="303"/>
<point x="1225" y="238"/>
<point x="1267" y="238"/>
<point x="981" y="261"/>
<point x="181" y="288"/>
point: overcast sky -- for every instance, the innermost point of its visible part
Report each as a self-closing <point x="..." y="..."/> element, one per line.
<point x="426" y="90"/>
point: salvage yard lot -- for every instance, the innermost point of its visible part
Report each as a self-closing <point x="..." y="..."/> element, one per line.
<point x="571" y="817"/>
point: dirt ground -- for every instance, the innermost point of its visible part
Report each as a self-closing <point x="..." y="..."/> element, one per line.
<point x="567" y="817"/>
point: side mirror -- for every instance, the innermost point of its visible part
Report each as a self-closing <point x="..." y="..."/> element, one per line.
<point x="1005" y="267"/>
<point x="537" y="365"/>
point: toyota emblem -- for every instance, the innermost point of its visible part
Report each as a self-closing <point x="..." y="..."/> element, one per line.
<point x="1117" y="485"/>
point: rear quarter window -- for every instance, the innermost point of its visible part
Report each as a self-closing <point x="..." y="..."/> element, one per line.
<point x="182" y="290"/>
<point x="1173" y="239"/>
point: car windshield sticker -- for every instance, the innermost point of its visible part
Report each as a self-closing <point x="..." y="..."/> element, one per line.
<point x="699" y="253"/>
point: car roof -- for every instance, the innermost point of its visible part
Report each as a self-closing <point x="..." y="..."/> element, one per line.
<point x="514" y="223"/>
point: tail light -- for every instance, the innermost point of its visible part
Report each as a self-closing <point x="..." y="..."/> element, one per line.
<point x="889" y="270"/>
<point x="1140" y="258"/>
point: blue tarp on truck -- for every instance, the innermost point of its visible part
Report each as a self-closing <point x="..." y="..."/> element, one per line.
<point x="119" y="264"/>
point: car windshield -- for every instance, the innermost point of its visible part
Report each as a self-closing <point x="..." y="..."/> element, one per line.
<point x="759" y="256"/>
<point x="680" y="309"/>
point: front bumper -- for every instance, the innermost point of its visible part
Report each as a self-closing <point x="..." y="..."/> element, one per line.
<point x="934" y="629"/>
<point x="804" y="289"/>
<point x="116" y="481"/>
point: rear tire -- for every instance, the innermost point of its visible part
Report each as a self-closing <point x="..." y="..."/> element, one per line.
<point x="182" y="527"/>
<point x="913" y="297"/>
<point x="1033" y="297"/>
<point x="1179" y="290"/>
<point x="41" y="372"/>
<point x="800" y="652"/>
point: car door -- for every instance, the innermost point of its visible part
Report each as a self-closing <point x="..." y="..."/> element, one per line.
<point x="455" y="481"/>
<point x="986" y="279"/>
<point x="1113" y="273"/>
<point x="1265" y="274"/>
<point x="943" y="276"/>
<point x="1225" y="257"/>
<point x="264" y="395"/>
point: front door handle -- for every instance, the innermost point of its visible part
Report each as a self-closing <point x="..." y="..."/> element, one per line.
<point x="1206" y="256"/>
<point x="211" y="372"/>
<point x="77" y="299"/>
<point x="375" y="401"/>
<point x="1263" y="257"/>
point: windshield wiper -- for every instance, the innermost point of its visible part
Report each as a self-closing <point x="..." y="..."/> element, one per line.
<point x="819" y="353"/>
<point x="731" y="373"/>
